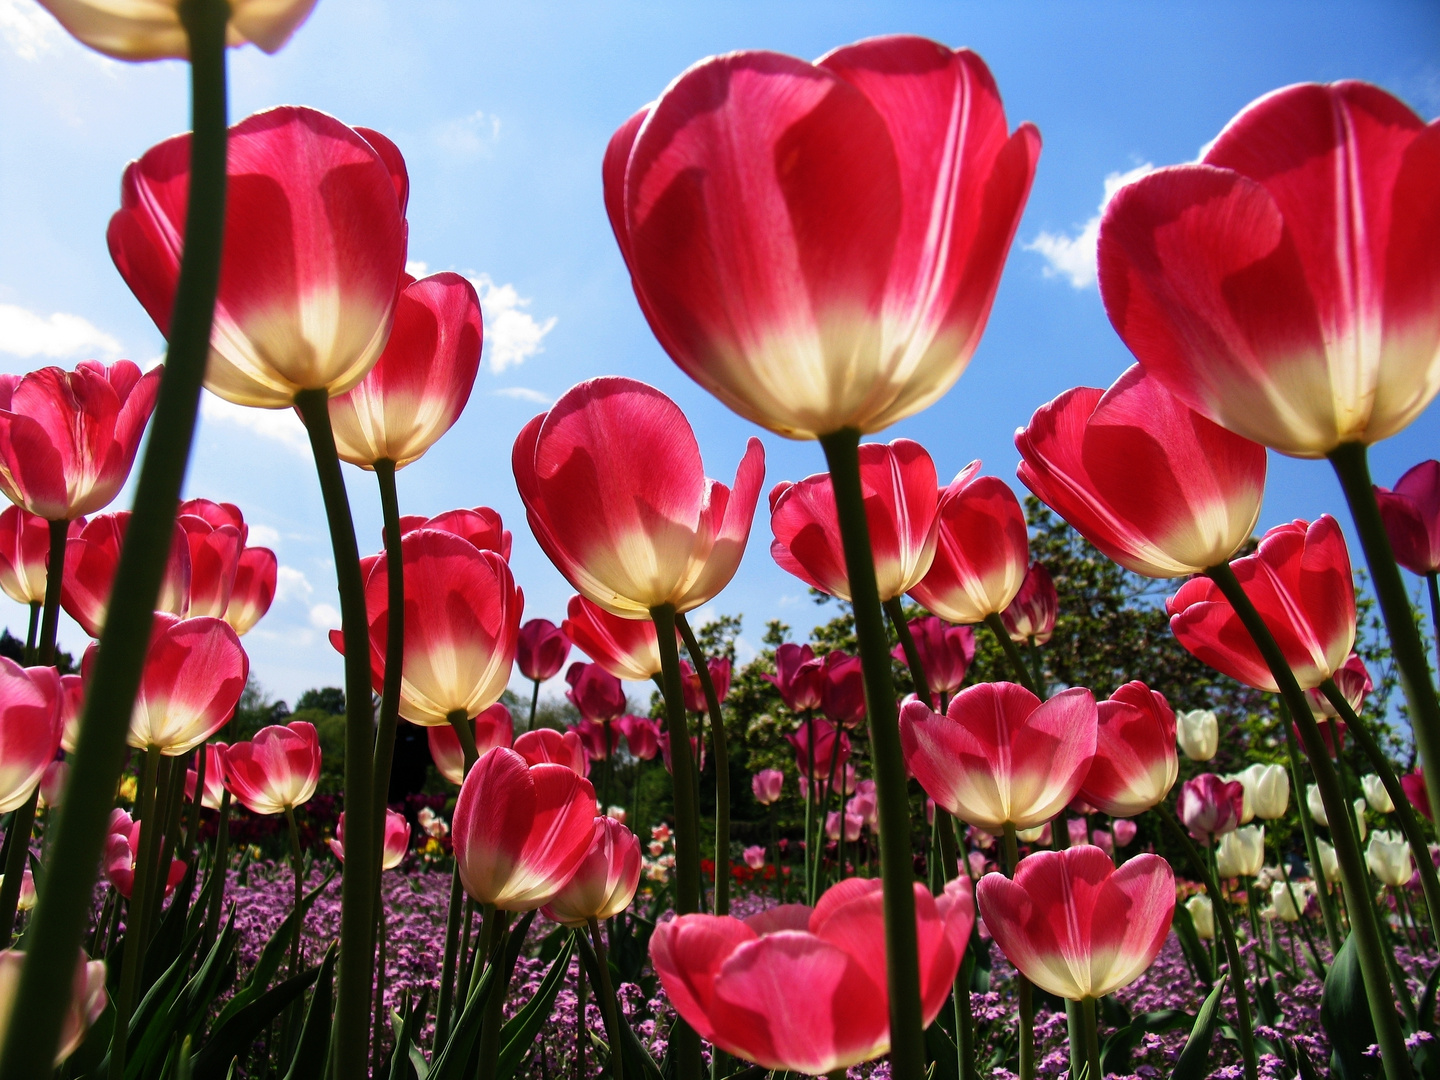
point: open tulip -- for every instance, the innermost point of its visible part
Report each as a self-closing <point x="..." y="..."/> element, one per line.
<point x="945" y="652"/>
<point x="91" y="558"/>
<point x="480" y="525"/>
<point x="836" y="267"/>
<point x="1031" y="615"/>
<point x="767" y="784"/>
<point x="520" y="830"/>
<point x="547" y="746"/>
<point x="626" y="648"/>
<point x="830" y="749"/>
<point x="799" y="676"/>
<point x="1388" y="857"/>
<point x="1411" y="513"/>
<point x="1241" y="853"/>
<point x="628" y="534"/>
<point x="542" y="648"/>
<point x="276" y="770"/>
<point x="1076" y="926"/>
<point x="1210" y="806"/>
<point x="24" y="554"/>
<point x="254" y="590"/>
<point x="1198" y="732"/>
<point x="121" y="852"/>
<point x="596" y="694"/>
<point x="493" y="727"/>
<point x="418" y="387"/>
<point x="314" y="248"/>
<point x="605" y="881"/>
<point x="394" y="843"/>
<point x="68" y="438"/>
<point x="982" y="550"/>
<point x="1149" y="481"/>
<point x="642" y="736"/>
<point x="87" y="1003"/>
<point x="30" y="729"/>
<point x="1267" y="792"/>
<point x="998" y="756"/>
<point x="842" y="694"/>
<point x="734" y="981"/>
<point x="1376" y="795"/>
<point x="899" y="487"/>
<point x="1202" y="914"/>
<point x="1299" y="581"/>
<point x="694" y="691"/>
<point x="214" y="563"/>
<point x="155" y="29"/>
<point x="1283" y="285"/>
<point x="1135" y="763"/>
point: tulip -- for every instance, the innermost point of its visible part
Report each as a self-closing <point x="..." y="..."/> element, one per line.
<point x="694" y="692"/>
<point x="217" y="514"/>
<point x="30" y="728"/>
<point x="27" y="898"/>
<point x="853" y="822"/>
<point x="1329" y="864"/>
<point x="87" y="1003"/>
<point x="1210" y="806"/>
<point x="626" y="648"/>
<point x="91" y="558"/>
<point x="845" y="781"/>
<point x="799" y="676"/>
<point x="1376" y="795"/>
<point x="844" y="281"/>
<point x="642" y="736"/>
<point x="52" y="785"/>
<point x="605" y="881"/>
<point x="1202" y="914"/>
<point x="627" y="534"/>
<point x="1135" y="763"/>
<point x="595" y="693"/>
<point x="72" y="703"/>
<point x="819" y="747"/>
<point x="1316" y="805"/>
<point x="276" y="770"/>
<point x="697" y="751"/>
<point x="24" y="553"/>
<point x="521" y="830"/>
<point x="214" y="791"/>
<point x="394" y="843"/>
<point x="1241" y="852"/>
<point x="1411" y="513"/>
<point x="767" y="784"/>
<point x="842" y="694"/>
<point x="541" y="746"/>
<point x="1198" y="732"/>
<point x="1150" y="482"/>
<point x="151" y="30"/>
<point x="214" y="563"/>
<point x="981" y="552"/>
<point x="901" y="499"/>
<point x="600" y="738"/>
<point x="1074" y="924"/>
<point x="734" y="981"/>
<point x="418" y="387"/>
<point x="254" y="589"/>
<point x="122" y="849"/>
<point x="865" y="804"/>
<point x="1267" y="792"/>
<point x="945" y="652"/>
<point x="314" y="248"/>
<point x="754" y="857"/>
<point x="480" y="525"/>
<point x="1352" y="679"/>
<point x="1125" y="831"/>
<point x="1282" y="284"/>
<point x="493" y="727"/>
<point x="998" y="756"/>
<point x="1031" y="615"/>
<point x="1388" y="857"/>
<point x="541" y="649"/>
<point x="1416" y="790"/>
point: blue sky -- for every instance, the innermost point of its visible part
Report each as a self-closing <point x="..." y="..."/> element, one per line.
<point x="503" y="112"/>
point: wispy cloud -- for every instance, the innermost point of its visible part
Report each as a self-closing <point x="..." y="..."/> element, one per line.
<point x="1073" y="257"/>
<point x="280" y="425"/>
<point x="263" y="536"/>
<point x="59" y="336"/>
<point x="27" y="28"/>
<point x="324" y="617"/>
<point x="292" y="584"/>
<point x="469" y="135"/>
<point x="524" y="393"/>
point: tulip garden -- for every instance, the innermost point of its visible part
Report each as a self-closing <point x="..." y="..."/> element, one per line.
<point x="1103" y="783"/>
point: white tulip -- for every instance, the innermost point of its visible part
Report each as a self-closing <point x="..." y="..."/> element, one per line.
<point x="1202" y="914"/>
<point x="1198" y="733"/>
<point x="1329" y="862"/>
<point x="1282" y="906"/>
<point x="1376" y="795"/>
<point x="1316" y="805"/>
<point x="1389" y="858"/>
<point x="1360" y="819"/>
<point x="1267" y="791"/>
<point x="1241" y="853"/>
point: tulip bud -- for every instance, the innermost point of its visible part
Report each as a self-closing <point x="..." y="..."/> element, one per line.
<point x="26" y="900"/>
<point x="852" y="826"/>
<point x="1316" y="805"/>
<point x="1376" y="795"/>
<point x="754" y="857"/>
<point x="395" y="842"/>
<point x="1199" y="734"/>
<point x="1411" y="513"/>
<point x="1125" y="831"/>
<point x="541" y="650"/>
<point x="1388" y="857"/>
<point x="767" y="785"/>
<point x="1210" y="806"/>
<point x="1241" y="853"/>
<point x="1202" y="914"/>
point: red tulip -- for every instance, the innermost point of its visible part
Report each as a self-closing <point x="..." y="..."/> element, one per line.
<point x="616" y="494"/>
<point x="217" y="515"/>
<point x="594" y="692"/>
<point x="899" y="485"/>
<point x="1032" y="614"/>
<point x="520" y="830"/>
<point x="72" y="702"/>
<point x="601" y="738"/>
<point x="1416" y="791"/>
<point x="626" y="648"/>
<point x="91" y="557"/>
<point x="30" y="727"/>
<point x="719" y="667"/>
<point x="481" y="526"/>
<point x="122" y="850"/>
<point x="767" y="784"/>
<point x="697" y="750"/>
<point x="418" y="387"/>
<point x="541" y="649"/>
<point x="998" y="755"/>
<point x="1299" y="580"/>
<point x="214" y="777"/>
<point x="1076" y="926"/>
<point x="1284" y="285"/>
<point x="52" y="786"/>
<point x="88" y="999"/>
<point x="836" y="266"/>
<point x="493" y="727"/>
<point x="605" y="881"/>
<point x="68" y="438"/>
<point x="981" y="553"/>
<point x="541" y="746"/>
<point x="214" y="563"/>
<point x="314" y="249"/>
<point x="255" y="580"/>
<point x="842" y="694"/>
<point x="25" y="553"/>
<point x="1210" y="806"/>
<point x="642" y="736"/>
<point x="800" y="677"/>
<point x="1147" y="480"/>
<point x="1353" y="681"/>
<point x="735" y="981"/>
<point x="945" y="652"/>
<point x="1411" y="513"/>
<point x="830" y="746"/>
<point x="394" y="843"/>
<point x="1135" y="762"/>
<point x="276" y="769"/>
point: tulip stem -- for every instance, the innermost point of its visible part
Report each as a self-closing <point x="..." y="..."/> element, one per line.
<point x="447" y="967"/>
<point x="357" y="887"/>
<point x="1433" y="580"/>
<point x="494" y="925"/>
<point x="465" y="733"/>
<point x="1317" y="965"/>
<point x="394" y="656"/>
<point x="135" y="923"/>
<point x="297" y="859"/>
<point x="1352" y="466"/>
<point x="1307" y="829"/>
<point x="907" y="644"/>
<point x="534" y="705"/>
<point x="54" y="579"/>
<point x="609" y="1004"/>
<point x="1092" y="1039"/>
<point x="219" y="864"/>
<point x="1012" y="652"/>
<point x="722" y="764"/>
<point x="192" y="824"/>
<point x="907" y="1038"/>
<point x="34" y="630"/>
<point x="810" y="796"/>
<point x="1010" y="846"/>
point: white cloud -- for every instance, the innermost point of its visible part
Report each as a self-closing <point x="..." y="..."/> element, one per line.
<point x="55" y="337"/>
<point x="324" y="617"/>
<point x="263" y="536"/>
<point x="512" y="336"/>
<point x="524" y="393"/>
<point x="27" y="28"/>
<point x="1073" y="257"/>
<point x="292" y="584"/>
<point x="417" y="269"/>
<point x="469" y="135"/>
<point x="281" y="425"/>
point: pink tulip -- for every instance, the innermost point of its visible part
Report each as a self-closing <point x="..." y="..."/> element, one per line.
<point x="1411" y="513"/>
<point x="254" y="590"/>
<point x="1352" y="679"/>
<point x="754" y="857"/>
<point x="697" y="750"/>
<point x="214" y="564"/>
<point x="981" y="553"/>
<point x="1076" y="926"/>
<point x="830" y="746"/>
<point x="276" y="770"/>
<point x="1147" y="480"/>
<point x="899" y="484"/>
<point x="520" y="830"/>
<point x="52" y="784"/>
<point x="836" y="266"/>
<point x="91" y="557"/>
<point x="799" y="677"/>
<point x="853" y="822"/>
<point x="767" y="784"/>
<point x="30" y="728"/>
<point x="1078" y="830"/>
<point x="1210" y="806"/>
<point x="214" y="791"/>
<point x="945" y="652"/>
<point x="72" y="704"/>
<point x="122" y="850"/>
<point x="548" y="746"/>
<point x="605" y="881"/>
<point x="88" y="999"/>
<point x="314" y="249"/>
<point x="594" y="692"/>
<point x="842" y="694"/>
<point x="734" y="981"/>
<point x="601" y="738"/>
<point x="627" y="534"/>
<point x="480" y="525"/>
<point x="694" y="693"/>
<point x="1124" y="830"/>
<point x="25" y="553"/>
<point x="1135" y="762"/>
<point x="846" y="781"/>
<point x="1031" y="615"/>
<point x="999" y="756"/>
<point x="642" y="736"/>
<point x="865" y="805"/>
<point x="1416" y="790"/>
<point x="541" y="650"/>
<point x="493" y="727"/>
<point x="394" y="843"/>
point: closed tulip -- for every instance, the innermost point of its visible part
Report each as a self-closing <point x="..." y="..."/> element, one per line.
<point x="694" y="691"/>
<point x="1352" y="679"/>
<point x="626" y="648"/>
<point x="275" y="770"/>
<point x="87" y="1003"/>
<point x="1388" y="857"/>
<point x="605" y="881"/>
<point x="1376" y="795"/>
<point x="1210" y="806"/>
<point x="214" y="562"/>
<point x="547" y="746"/>
<point x="853" y="822"/>
<point x="1199" y="734"/>
<point x="734" y="981"/>
<point x="1316" y="805"/>
<point x="642" y="736"/>
<point x="819" y="746"/>
<point x="596" y="694"/>
<point x="24" y="554"/>
<point x="837" y="266"/>
<point x="68" y="438"/>
<point x="418" y="387"/>
<point x="155" y="29"/>
<point x="91" y="557"/>
<point x="982" y="550"/>
<point x="1202" y="914"/>
<point x="72" y="703"/>
<point x="1283" y="284"/>
<point x="1074" y="924"/>
<point x="1299" y="580"/>
<point x="1329" y="863"/>
<point x="1135" y="763"/>
<point x="865" y="805"/>
<point x="945" y="652"/>
<point x="1031" y="615"/>
<point x="480" y="525"/>
<point x="1416" y="790"/>
<point x="1241" y="853"/>
<point x="30" y="729"/>
<point x="599" y="738"/>
<point x="1267" y="791"/>
<point x="799" y="676"/>
<point x="520" y="830"/>
<point x="493" y="727"/>
<point x="52" y="785"/>
<point x="697" y="750"/>
<point x="617" y="497"/>
<point x="121" y="854"/>
<point x="1124" y="831"/>
<point x="767" y="785"/>
<point x="314" y="249"/>
<point x="1411" y="512"/>
<point x="899" y="486"/>
<point x="754" y="857"/>
<point x="214" y="790"/>
<point x="254" y="589"/>
<point x="541" y="649"/>
<point x="1150" y="482"/>
<point x="393" y="844"/>
<point x="1283" y="905"/>
<point x="999" y="756"/>
<point x="842" y="693"/>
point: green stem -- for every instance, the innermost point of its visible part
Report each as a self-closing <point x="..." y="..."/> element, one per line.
<point x="17" y="856"/>
<point x="907" y="1039"/>
<point x="907" y="644"/>
<point x="54" y="579"/>
<point x="466" y="955"/>
<point x="447" y="967"/>
<point x="1307" y="829"/>
<point x="810" y="798"/>
<point x="172" y="784"/>
<point x="394" y="654"/>
<point x="1012" y="652"/>
<point x="465" y="732"/>
<point x="375" y="1049"/>
<point x="534" y="705"/>
<point x="495" y="1003"/>
<point x="219" y="864"/>
<point x="297" y="860"/>
<point x="1010" y="847"/>
<point x="1092" y="1039"/>
<point x="357" y="887"/>
<point x="32" y="635"/>
<point x="609" y="1005"/>
<point x="192" y="824"/>
<point x="1433" y="580"/>
<point x="1352" y="466"/>
<point x="1363" y="924"/>
<point x="722" y="765"/>
<point x="135" y="932"/>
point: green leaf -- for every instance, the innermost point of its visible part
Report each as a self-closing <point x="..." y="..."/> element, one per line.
<point x="518" y="1034"/>
<point x="1426" y="1011"/>
<point x="170" y="937"/>
<point x="449" y="1063"/>
<point x="243" y="1027"/>
<point x="942" y="1055"/>
<point x="1345" y="1015"/>
<point x="638" y="1062"/>
<point x="313" y="1050"/>
<point x="1194" y="1060"/>
<point x="1196" y="955"/>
